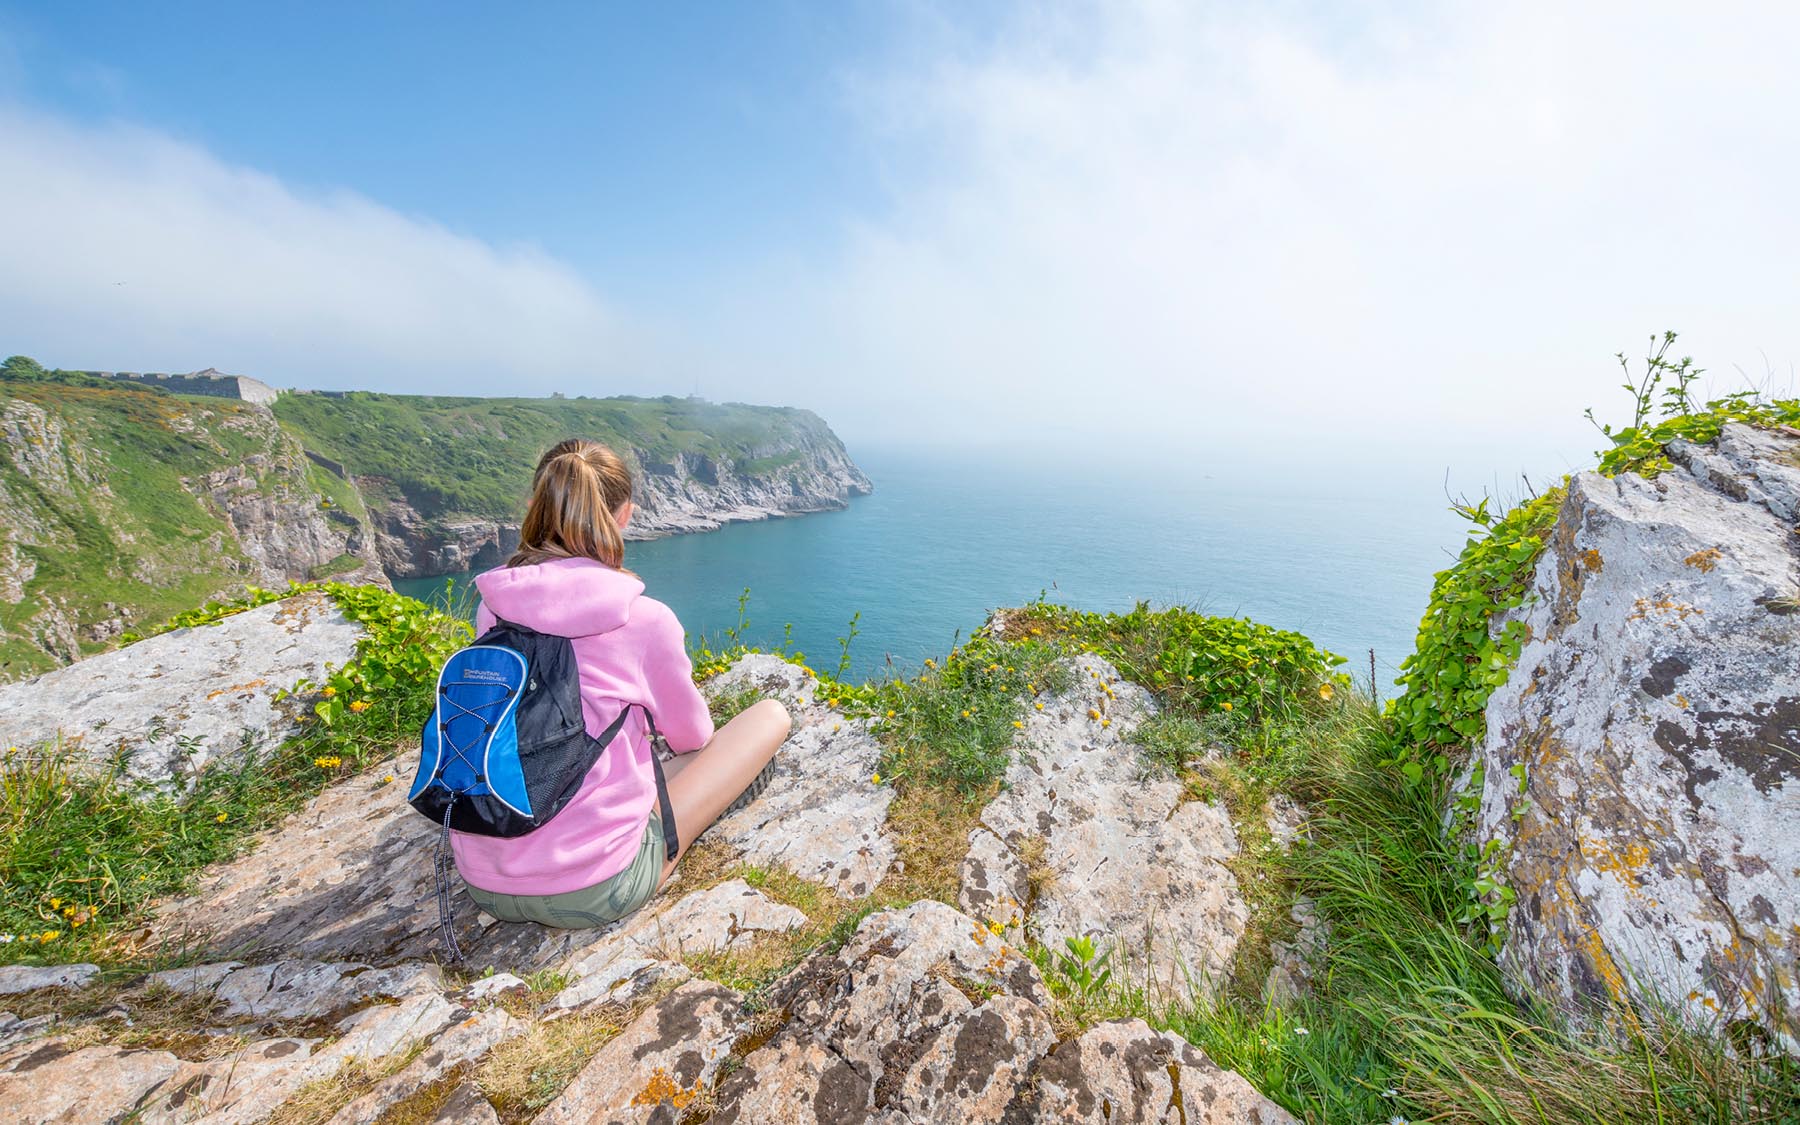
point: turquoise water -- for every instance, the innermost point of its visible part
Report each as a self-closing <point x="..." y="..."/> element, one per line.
<point x="943" y="540"/>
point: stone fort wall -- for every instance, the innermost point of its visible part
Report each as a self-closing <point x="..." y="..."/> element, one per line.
<point x="208" y="382"/>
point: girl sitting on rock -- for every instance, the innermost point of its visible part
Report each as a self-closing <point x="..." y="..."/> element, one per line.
<point x="603" y="855"/>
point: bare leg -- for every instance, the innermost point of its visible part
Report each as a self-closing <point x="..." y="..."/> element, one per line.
<point x="712" y="777"/>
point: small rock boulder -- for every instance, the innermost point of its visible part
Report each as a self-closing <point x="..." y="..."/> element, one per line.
<point x="1124" y="1071"/>
<point x="173" y="703"/>
<point x="15" y="979"/>
<point x="658" y="1066"/>
<point x="75" y="1087"/>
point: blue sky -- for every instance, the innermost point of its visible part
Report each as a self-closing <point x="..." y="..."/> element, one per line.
<point x="1242" y="237"/>
<point x="644" y="143"/>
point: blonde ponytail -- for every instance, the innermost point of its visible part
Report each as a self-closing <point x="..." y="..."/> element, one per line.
<point x="578" y="486"/>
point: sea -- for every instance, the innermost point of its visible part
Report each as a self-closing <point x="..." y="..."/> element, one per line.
<point x="945" y="538"/>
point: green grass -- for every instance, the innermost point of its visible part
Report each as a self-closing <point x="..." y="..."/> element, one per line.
<point x="726" y="706"/>
<point x="952" y="727"/>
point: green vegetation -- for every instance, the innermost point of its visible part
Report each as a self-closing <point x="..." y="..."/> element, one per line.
<point x="952" y="727"/>
<point x="1664" y="411"/>
<point x="1459" y="660"/>
<point x="474" y="456"/>
<point x="84" y="853"/>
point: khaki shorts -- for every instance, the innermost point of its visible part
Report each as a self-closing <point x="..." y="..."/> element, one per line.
<point x="599" y="905"/>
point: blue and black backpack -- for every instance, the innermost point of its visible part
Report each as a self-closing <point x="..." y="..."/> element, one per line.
<point x="506" y="746"/>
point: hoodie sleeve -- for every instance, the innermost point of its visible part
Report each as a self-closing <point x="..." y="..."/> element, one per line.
<point x="681" y="711"/>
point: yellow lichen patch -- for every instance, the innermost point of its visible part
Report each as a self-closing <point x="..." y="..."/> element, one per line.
<point x="1665" y="607"/>
<point x="662" y="1089"/>
<point x="1603" y="964"/>
<point x="235" y="688"/>
<point x="1703" y="561"/>
<point x="1590" y="559"/>
<point x="1627" y="861"/>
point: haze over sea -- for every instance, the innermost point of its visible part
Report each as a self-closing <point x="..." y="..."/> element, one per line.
<point x="947" y="537"/>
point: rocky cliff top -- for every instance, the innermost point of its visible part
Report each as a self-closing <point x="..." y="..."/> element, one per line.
<point x="313" y="963"/>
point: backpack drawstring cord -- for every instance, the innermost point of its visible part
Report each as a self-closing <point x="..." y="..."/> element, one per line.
<point x="442" y="862"/>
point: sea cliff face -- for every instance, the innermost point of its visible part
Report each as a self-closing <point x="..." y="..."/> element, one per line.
<point x="445" y="480"/>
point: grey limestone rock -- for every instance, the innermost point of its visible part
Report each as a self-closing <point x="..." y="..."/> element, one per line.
<point x="659" y="1065"/>
<point x="1128" y="860"/>
<point x="1124" y="1071"/>
<point x="822" y="816"/>
<point x="175" y="702"/>
<point x="1642" y="763"/>
<point x="15" y="979"/>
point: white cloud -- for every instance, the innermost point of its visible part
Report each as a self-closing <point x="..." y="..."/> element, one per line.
<point x="1383" y="234"/>
<point x="123" y="248"/>
<point x="1206" y="233"/>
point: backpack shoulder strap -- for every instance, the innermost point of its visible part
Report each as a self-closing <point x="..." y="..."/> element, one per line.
<point x="671" y="838"/>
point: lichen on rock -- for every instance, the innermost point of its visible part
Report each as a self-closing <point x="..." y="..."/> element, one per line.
<point x="1133" y="862"/>
<point x="1642" y="763"/>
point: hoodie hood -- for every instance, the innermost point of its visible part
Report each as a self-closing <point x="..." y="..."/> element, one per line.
<point x="564" y="597"/>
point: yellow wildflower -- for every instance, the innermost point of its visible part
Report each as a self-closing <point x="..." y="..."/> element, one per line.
<point x="1106" y="722"/>
<point x="1093" y="713"/>
<point x="1325" y="692"/>
<point x="56" y="904"/>
<point x="388" y="780"/>
<point x="329" y="691"/>
<point x="1040" y="707"/>
<point x="1036" y="632"/>
<point x="360" y="706"/>
<point x="329" y="762"/>
<point x="222" y="817"/>
<point x="876" y="779"/>
<point x="966" y="714"/>
<point x="49" y="935"/>
<point x="1225" y="706"/>
<point x="831" y="703"/>
<point x="890" y="714"/>
<point x="1018" y="723"/>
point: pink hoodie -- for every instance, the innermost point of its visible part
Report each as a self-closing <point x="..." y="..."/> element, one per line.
<point x="630" y="649"/>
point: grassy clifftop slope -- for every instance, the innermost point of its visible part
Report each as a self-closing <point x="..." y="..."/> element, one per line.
<point x="474" y="456"/>
<point x="121" y="505"/>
